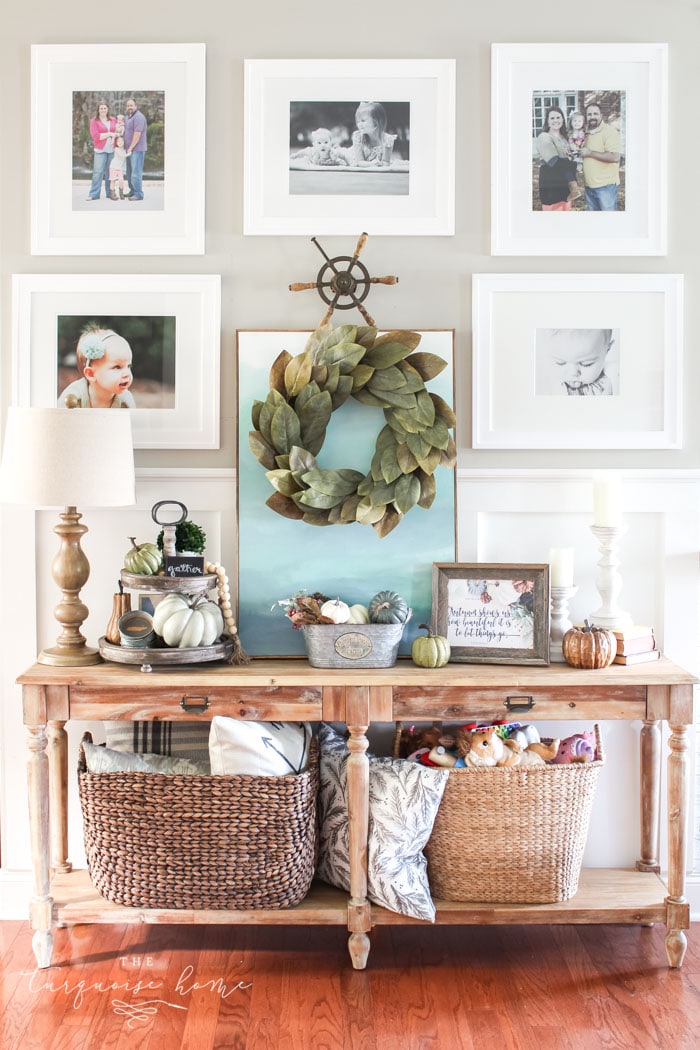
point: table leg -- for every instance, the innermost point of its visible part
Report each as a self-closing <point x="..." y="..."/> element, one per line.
<point x="650" y="789"/>
<point x="41" y="905"/>
<point x="58" y="796"/>
<point x="359" y="912"/>
<point x="677" y="908"/>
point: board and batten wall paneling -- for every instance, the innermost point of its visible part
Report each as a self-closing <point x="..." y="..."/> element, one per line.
<point x="28" y="625"/>
<point x="503" y="516"/>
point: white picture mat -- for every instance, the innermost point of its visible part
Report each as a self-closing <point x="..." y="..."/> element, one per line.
<point x="195" y="303"/>
<point x="518" y="70"/>
<point x="493" y="626"/>
<point x="647" y="311"/>
<point x="57" y="71"/>
<point x="427" y="84"/>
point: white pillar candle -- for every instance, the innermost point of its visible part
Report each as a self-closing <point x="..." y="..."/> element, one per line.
<point x="561" y="566"/>
<point x="607" y="499"/>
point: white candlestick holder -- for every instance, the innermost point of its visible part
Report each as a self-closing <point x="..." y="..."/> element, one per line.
<point x="559" y="620"/>
<point x="608" y="579"/>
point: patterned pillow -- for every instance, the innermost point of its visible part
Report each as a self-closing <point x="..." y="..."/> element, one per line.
<point x="104" y="760"/>
<point x="181" y="739"/>
<point x="403" y="801"/>
<point x="263" y="749"/>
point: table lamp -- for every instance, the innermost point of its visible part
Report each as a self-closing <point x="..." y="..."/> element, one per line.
<point x="57" y="457"/>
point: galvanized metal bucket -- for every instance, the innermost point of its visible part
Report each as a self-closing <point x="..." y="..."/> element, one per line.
<point x="353" y="644"/>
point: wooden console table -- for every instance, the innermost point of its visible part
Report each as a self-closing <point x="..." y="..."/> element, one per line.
<point x="291" y="690"/>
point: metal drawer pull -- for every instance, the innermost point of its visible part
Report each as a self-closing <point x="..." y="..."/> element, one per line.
<point x="201" y="703"/>
<point x="519" y="703"/>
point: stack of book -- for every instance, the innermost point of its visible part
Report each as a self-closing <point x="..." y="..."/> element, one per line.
<point x="636" y="645"/>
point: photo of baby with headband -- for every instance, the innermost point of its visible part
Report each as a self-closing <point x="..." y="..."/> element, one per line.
<point x="103" y="361"/>
<point x="96" y="357"/>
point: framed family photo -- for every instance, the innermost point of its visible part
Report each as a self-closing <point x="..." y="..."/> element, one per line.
<point x="579" y="149"/>
<point x="147" y="343"/>
<point x="577" y="361"/>
<point x="117" y="149"/>
<point x="492" y="614"/>
<point x="348" y="145"/>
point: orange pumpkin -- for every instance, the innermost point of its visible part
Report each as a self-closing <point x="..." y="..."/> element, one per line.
<point x="589" y="648"/>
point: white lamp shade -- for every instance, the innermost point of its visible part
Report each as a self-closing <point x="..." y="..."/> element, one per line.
<point x="59" y="457"/>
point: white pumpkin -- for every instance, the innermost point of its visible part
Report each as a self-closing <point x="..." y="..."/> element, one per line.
<point x="166" y="607"/>
<point x="203" y="627"/>
<point x="336" y="610"/>
<point x="358" y="614"/>
<point x="185" y="625"/>
<point x="174" y="626"/>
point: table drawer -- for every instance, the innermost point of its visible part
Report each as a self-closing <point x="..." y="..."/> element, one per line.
<point x="256" y="703"/>
<point x="493" y="704"/>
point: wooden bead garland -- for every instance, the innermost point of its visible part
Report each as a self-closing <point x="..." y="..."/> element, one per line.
<point x="239" y="655"/>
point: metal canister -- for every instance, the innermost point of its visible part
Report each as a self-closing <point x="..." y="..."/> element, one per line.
<point x="136" y="630"/>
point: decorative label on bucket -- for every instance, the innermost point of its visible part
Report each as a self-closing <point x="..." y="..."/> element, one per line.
<point x="344" y="645"/>
<point x="353" y="645"/>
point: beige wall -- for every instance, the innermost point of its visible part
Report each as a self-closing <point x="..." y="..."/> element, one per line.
<point x="536" y="496"/>
<point x="435" y="272"/>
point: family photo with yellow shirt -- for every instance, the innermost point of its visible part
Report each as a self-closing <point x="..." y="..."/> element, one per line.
<point x="578" y="151"/>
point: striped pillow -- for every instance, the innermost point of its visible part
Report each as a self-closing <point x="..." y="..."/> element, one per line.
<point x="180" y="739"/>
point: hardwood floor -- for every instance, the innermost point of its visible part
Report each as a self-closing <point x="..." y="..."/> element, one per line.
<point x="293" y="988"/>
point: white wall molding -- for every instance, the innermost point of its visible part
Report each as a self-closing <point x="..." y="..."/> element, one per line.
<point x="27" y="623"/>
<point x="16" y="889"/>
<point x="504" y="515"/>
<point x="175" y="474"/>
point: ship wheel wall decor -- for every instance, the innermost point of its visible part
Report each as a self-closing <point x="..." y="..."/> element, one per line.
<point x="337" y="281"/>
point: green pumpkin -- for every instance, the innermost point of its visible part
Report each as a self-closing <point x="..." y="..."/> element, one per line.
<point x="144" y="559"/>
<point x="431" y="650"/>
<point x="388" y="607"/>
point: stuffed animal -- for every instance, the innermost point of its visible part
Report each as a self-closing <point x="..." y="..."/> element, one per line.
<point x="545" y="749"/>
<point x="523" y="735"/>
<point x="580" y="747"/>
<point x="528" y="738"/>
<point x="486" y="747"/>
<point x="415" y="738"/>
<point x="440" y="756"/>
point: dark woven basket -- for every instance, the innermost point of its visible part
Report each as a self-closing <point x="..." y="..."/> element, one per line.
<point x="514" y="834"/>
<point x="164" y="841"/>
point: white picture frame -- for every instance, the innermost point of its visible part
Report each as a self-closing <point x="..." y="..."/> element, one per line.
<point x="182" y="411"/>
<point x="285" y="99"/>
<point x="518" y="399"/>
<point x="170" y="219"/>
<point x="527" y="76"/>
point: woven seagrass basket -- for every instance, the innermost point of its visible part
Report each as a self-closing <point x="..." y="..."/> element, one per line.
<point x="173" y="841"/>
<point x="512" y="834"/>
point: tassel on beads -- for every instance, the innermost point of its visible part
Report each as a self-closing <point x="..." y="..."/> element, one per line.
<point x="239" y="656"/>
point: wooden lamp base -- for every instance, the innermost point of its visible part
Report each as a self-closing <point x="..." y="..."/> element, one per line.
<point x="70" y="570"/>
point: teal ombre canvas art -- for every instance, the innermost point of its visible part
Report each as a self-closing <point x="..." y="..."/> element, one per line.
<point x="277" y="556"/>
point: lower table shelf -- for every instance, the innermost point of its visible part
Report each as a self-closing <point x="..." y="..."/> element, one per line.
<point x="605" y="895"/>
<point x="75" y="900"/>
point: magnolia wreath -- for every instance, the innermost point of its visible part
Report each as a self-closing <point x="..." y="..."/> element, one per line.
<point x="383" y="371"/>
